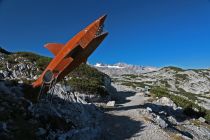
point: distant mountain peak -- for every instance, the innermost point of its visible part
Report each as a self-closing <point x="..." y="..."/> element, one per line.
<point x="123" y="68"/>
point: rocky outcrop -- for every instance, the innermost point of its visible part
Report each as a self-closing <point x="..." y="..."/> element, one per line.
<point x="62" y="115"/>
<point x="65" y="114"/>
<point x="21" y="69"/>
<point x="173" y="119"/>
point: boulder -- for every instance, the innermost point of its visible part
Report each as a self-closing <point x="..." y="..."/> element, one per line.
<point x="6" y="73"/>
<point x="201" y="119"/>
<point x="172" y="120"/>
<point x="160" y="122"/>
<point x="111" y="104"/>
<point x="149" y="109"/>
<point x="164" y="101"/>
<point x="145" y="112"/>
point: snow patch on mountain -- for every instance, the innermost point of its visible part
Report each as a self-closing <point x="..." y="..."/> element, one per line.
<point x="100" y="65"/>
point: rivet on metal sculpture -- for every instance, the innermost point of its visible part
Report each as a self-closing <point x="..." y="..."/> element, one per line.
<point x="70" y="55"/>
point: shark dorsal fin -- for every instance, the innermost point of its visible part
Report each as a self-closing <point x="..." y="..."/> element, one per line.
<point x="54" y="47"/>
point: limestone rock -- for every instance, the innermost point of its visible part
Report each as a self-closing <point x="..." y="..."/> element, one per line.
<point x="161" y="122"/>
<point x="201" y="119"/>
<point x="166" y="102"/>
<point x="111" y="104"/>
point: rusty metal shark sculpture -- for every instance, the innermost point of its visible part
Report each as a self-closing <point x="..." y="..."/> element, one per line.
<point x="70" y="55"/>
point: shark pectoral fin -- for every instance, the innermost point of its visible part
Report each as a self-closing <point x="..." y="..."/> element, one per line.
<point x="54" y="47"/>
<point x="63" y="64"/>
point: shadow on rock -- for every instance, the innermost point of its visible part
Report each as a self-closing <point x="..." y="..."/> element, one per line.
<point x="166" y="112"/>
<point x="122" y="95"/>
<point x="163" y="112"/>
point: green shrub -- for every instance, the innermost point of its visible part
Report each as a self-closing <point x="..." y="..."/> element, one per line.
<point x="10" y="59"/>
<point x="176" y="69"/>
<point x="181" y="76"/>
<point x="134" y="84"/>
<point x="87" y="79"/>
<point x="165" y="83"/>
<point x="189" y="95"/>
<point x="129" y="84"/>
<point x="130" y="76"/>
<point x="2" y="66"/>
<point x="207" y="116"/>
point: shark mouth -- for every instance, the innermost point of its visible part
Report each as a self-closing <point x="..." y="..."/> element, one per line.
<point x="100" y="31"/>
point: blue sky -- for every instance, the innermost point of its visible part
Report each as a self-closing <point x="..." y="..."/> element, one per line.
<point x="143" y="32"/>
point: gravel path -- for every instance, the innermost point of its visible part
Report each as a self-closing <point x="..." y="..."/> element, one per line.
<point x="124" y="122"/>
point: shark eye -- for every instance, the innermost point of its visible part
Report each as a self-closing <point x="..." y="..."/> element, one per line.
<point x="48" y="77"/>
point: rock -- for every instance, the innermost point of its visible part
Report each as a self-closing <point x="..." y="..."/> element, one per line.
<point x="111" y="104"/>
<point x="183" y="137"/>
<point x="162" y="113"/>
<point x="22" y="67"/>
<point x="166" y="102"/>
<point x="35" y="77"/>
<point x="160" y="122"/>
<point x="198" y="133"/>
<point x="141" y="94"/>
<point x="144" y="112"/>
<point x="172" y="120"/>
<point x="14" y="74"/>
<point x="5" y="73"/>
<point x="122" y="68"/>
<point x="40" y="131"/>
<point x="20" y="82"/>
<point x="149" y="109"/>
<point x="201" y="119"/>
